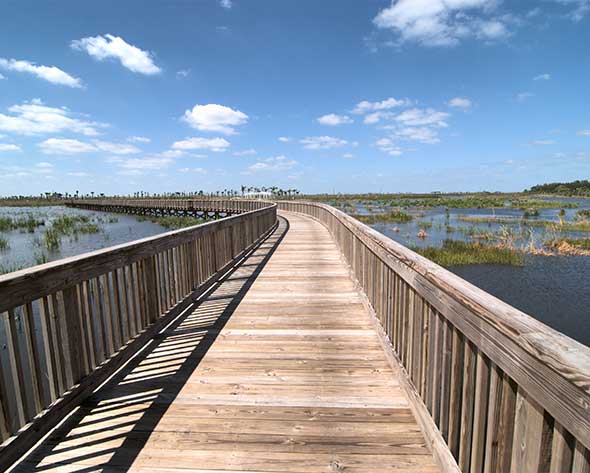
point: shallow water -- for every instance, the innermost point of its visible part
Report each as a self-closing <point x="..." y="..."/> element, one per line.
<point x="553" y="289"/>
<point x="25" y="248"/>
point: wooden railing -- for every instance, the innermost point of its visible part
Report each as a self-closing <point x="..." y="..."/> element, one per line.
<point x="211" y="204"/>
<point x="503" y="391"/>
<point x="66" y="326"/>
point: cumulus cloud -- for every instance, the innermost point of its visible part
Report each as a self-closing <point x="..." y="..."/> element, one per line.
<point x="388" y="146"/>
<point x="334" y="120"/>
<point x="421" y="134"/>
<point x="322" y="142"/>
<point x="70" y="146"/>
<point x="460" y="102"/>
<point x="387" y="104"/>
<point x="284" y="139"/>
<point x="65" y="146"/>
<point x="275" y="163"/>
<point x="578" y="8"/>
<point x="227" y="4"/>
<point x="423" y="117"/>
<point x="116" y="148"/>
<point x="194" y="170"/>
<point x="542" y="142"/>
<point x="9" y="147"/>
<point x="51" y="74"/>
<point x="523" y="96"/>
<point x="2" y="77"/>
<point x="542" y="77"/>
<point x="215" y="118"/>
<point x="245" y="152"/>
<point x="31" y="118"/>
<point x="114" y="47"/>
<point x="138" y="139"/>
<point x="212" y="144"/>
<point x="442" y="22"/>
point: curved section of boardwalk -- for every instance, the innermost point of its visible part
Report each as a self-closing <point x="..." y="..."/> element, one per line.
<point x="277" y="369"/>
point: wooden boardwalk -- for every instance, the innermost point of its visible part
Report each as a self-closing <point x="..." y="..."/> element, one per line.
<point x="277" y="369"/>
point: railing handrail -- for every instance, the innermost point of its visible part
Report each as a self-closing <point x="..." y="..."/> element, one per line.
<point x="70" y="324"/>
<point x="549" y="367"/>
<point x="488" y="306"/>
<point x="25" y="285"/>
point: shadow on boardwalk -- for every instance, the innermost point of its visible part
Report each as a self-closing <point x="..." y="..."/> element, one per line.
<point x="110" y="428"/>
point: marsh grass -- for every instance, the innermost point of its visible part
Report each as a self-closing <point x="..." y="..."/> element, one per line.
<point x="4" y="244"/>
<point x="456" y="252"/>
<point x="393" y="216"/>
<point x="28" y="223"/>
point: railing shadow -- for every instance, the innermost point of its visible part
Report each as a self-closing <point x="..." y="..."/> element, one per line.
<point x="110" y="428"/>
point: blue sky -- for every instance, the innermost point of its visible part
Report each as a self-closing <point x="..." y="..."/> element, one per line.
<point x="322" y="96"/>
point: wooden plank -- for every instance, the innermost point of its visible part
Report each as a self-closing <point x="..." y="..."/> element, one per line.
<point x="529" y="448"/>
<point x="480" y="413"/>
<point x="562" y="450"/>
<point x="581" y="462"/>
<point x="554" y="369"/>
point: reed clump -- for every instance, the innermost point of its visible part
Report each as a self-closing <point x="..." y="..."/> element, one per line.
<point x="393" y="216"/>
<point x="457" y="252"/>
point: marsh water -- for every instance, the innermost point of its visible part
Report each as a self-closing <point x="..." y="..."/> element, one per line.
<point x="26" y="248"/>
<point x="553" y="289"/>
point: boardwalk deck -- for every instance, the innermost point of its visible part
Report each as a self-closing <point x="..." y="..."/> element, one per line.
<point x="276" y="369"/>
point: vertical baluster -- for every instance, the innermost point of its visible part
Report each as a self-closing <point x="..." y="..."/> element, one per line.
<point x="49" y="350"/>
<point x="480" y="412"/>
<point x="15" y="363"/>
<point x="467" y="402"/>
<point x="562" y="450"/>
<point x="581" y="462"/>
<point x="33" y="359"/>
<point x="455" y="395"/>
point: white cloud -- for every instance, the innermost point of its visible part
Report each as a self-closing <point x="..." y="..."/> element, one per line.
<point x="9" y="147"/>
<point x="388" y="146"/>
<point x="275" y="163"/>
<point x="524" y="96"/>
<point x="78" y="174"/>
<point x="138" y="139"/>
<point x="423" y="117"/>
<point x="135" y="166"/>
<point x="34" y="117"/>
<point x="49" y="73"/>
<point x="460" y="102"/>
<point x="542" y="142"/>
<point x="542" y="77"/>
<point x="348" y="156"/>
<point x="246" y="152"/>
<point x="183" y="73"/>
<point x="227" y="4"/>
<point x="44" y="165"/>
<point x="116" y="148"/>
<point x="2" y="77"/>
<point x="442" y="22"/>
<point x="583" y="133"/>
<point x="322" y="142"/>
<point x="109" y="46"/>
<point x="213" y="144"/>
<point x="215" y="118"/>
<point x="366" y="107"/>
<point x="580" y="8"/>
<point x="334" y="120"/>
<point x="420" y="134"/>
<point x="65" y="146"/>
<point x="171" y="153"/>
<point x="195" y="170"/>
<point x="284" y="139"/>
